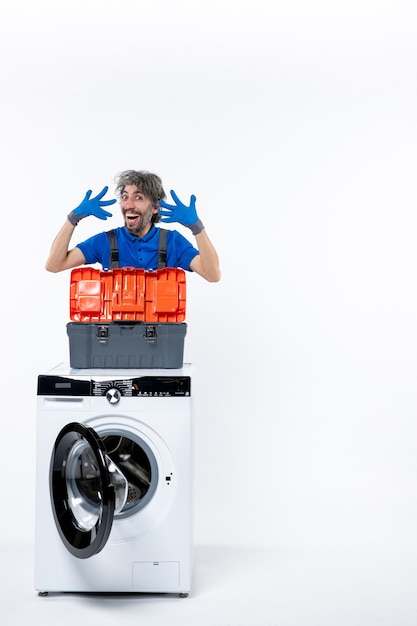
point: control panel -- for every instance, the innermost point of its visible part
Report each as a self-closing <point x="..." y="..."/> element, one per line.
<point x="138" y="386"/>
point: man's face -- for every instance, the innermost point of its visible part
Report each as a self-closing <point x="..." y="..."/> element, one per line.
<point x="137" y="210"/>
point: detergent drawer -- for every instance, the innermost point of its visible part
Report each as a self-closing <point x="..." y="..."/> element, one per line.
<point x="126" y="344"/>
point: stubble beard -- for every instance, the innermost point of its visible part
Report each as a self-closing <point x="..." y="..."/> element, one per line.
<point x="141" y="228"/>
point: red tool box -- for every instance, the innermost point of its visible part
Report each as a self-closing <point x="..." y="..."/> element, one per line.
<point x="127" y="318"/>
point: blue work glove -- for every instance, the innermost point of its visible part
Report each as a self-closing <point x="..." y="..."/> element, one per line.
<point x="179" y="212"/>
<point x="91" y="206"/>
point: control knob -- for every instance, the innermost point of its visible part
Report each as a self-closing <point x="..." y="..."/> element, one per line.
<point x="113" y="395"/>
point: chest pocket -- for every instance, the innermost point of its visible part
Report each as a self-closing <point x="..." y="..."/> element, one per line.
<point x="162" y="249"/>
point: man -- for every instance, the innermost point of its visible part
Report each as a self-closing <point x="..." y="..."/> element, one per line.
<point x="141" y="197"/>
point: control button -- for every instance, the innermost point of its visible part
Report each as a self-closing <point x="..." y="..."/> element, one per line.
<point x="113" y="395"/>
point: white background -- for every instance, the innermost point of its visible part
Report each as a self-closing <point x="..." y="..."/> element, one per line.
<point x="294" y="124"/>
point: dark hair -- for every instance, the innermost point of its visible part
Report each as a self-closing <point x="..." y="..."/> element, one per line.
<point x="149" y="184"/>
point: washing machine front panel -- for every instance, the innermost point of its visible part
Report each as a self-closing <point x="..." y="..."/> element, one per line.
<point x="149" y="532"/>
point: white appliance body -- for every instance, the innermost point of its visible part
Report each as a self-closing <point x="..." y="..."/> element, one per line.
<point x="113" y="481"/>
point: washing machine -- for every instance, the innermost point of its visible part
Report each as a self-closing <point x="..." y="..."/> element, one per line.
<point x="113" y="481"/>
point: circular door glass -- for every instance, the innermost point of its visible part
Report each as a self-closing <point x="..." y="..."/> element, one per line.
<point x="83" y="480"/>
<point x="83" y="490"/>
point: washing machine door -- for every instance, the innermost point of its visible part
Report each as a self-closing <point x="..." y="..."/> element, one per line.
<point x="82" y="491"/>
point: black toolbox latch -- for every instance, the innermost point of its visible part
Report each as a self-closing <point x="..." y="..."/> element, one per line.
<point x="150" y="334"/>
<point x="102" y="333"/>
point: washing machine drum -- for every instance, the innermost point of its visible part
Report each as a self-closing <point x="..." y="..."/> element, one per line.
<point x="87" y="490"/>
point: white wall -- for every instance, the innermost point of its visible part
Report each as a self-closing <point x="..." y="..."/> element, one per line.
<point x="294" y="123"/>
